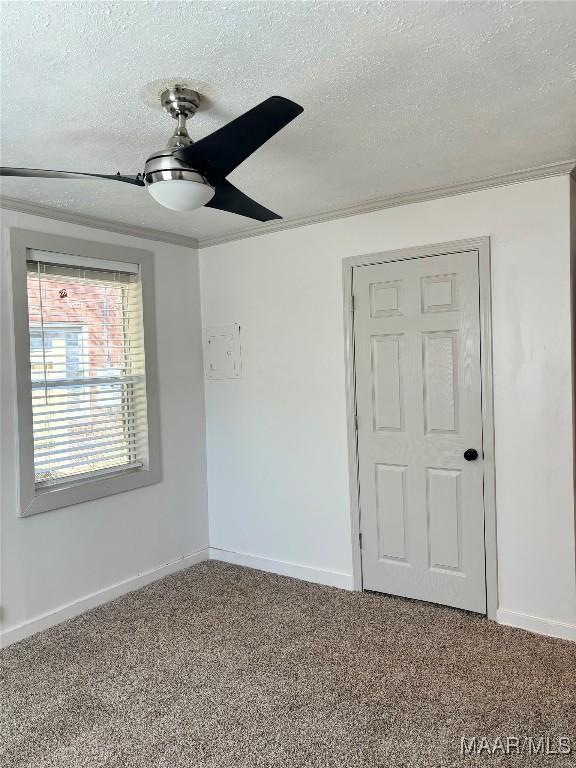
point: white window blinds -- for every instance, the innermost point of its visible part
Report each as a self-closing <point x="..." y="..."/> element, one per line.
<point x="87" y="368"/>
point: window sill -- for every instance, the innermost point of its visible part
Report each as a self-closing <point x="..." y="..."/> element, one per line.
<point x="67" y="494"/>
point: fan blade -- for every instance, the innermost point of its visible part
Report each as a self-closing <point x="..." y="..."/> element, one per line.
<point x="41" y="174"/>
<point x="230" y="198"/>
<point x="219" y="153"/>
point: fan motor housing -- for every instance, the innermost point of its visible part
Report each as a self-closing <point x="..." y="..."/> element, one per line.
<point x="163" y="166"/>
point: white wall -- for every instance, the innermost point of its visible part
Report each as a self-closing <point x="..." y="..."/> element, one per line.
<point x="277" y="457"/>
<point x="56" y="558"/>
<point x="276" y="439"/>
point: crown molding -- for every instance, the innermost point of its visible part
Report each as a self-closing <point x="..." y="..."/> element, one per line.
<point x="567" y="167"/>
<point x="58" y="214"/>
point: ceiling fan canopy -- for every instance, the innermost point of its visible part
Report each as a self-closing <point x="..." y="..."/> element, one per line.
<point x="186" y="175"/>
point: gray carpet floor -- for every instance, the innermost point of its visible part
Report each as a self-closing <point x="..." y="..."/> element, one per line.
<point x="228" y="667"/>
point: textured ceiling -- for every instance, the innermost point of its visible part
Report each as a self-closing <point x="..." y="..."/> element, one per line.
<point x="398" y="97"/>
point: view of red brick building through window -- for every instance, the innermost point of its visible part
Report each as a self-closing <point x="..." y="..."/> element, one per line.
<point x="87" y="370"/>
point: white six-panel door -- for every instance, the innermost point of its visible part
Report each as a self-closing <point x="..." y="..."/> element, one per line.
<point x="418" y="400"/>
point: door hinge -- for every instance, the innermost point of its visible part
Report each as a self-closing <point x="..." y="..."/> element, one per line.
<point x="353" y="303"/>
<point x="356" y="422"/>
<point x="360" y="540"/>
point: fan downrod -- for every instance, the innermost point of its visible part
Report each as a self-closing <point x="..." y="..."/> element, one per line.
<point x="181" y="103"/>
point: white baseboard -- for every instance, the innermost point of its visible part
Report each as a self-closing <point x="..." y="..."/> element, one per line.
<point x="18" y="632"/>
<point x="536" y="624"/>
<point x="282" y="568"/>
<point x="44" y="621"/>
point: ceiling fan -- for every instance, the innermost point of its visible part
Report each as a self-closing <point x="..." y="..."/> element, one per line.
<point x="185" y="174"/>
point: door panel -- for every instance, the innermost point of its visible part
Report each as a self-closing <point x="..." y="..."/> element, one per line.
<point x="391" y="511"/>
<point x="418" y="399"/>
<point x="444" y="523"/>
<point x="387" y="386"/>
<point x="440" y="355"/>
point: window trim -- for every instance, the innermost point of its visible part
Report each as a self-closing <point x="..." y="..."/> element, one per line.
<point x="32" y="499"/>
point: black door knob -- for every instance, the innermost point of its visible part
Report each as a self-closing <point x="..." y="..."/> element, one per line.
<point x="471" y="454"/>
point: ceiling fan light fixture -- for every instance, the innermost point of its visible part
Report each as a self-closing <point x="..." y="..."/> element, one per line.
<point x="181" y="194"/>
<point x="185" y="175"/>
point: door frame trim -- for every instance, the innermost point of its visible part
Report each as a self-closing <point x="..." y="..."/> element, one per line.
<point x="482" y="246"/>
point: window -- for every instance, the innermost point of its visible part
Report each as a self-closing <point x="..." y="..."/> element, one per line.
<point x="87" y="370"/>
<point x="87" y="426"/>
